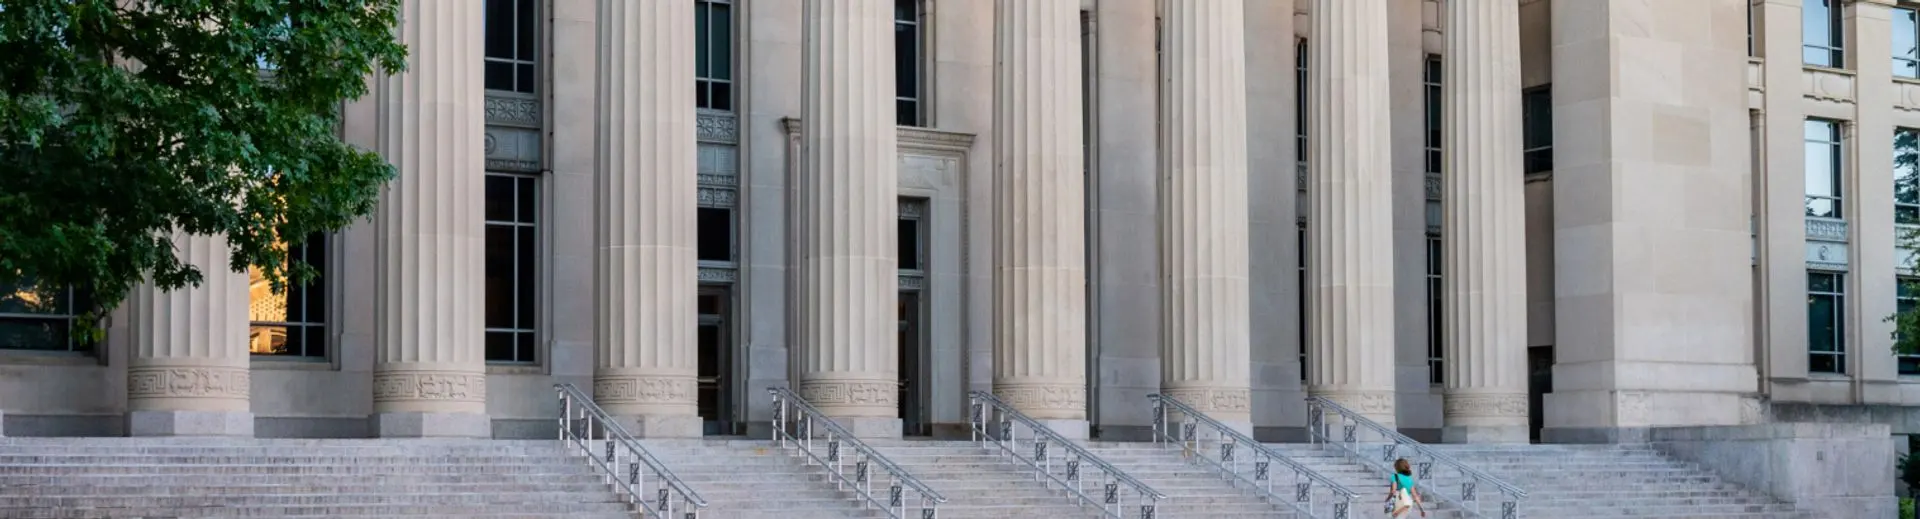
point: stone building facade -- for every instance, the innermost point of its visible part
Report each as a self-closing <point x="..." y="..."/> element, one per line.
<point x="1476" y="220"/>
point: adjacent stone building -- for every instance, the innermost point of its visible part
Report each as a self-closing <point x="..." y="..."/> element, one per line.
<point x="1478" y="220"/>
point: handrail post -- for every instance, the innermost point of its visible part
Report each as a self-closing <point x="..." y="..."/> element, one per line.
<point x="578" y="419"/>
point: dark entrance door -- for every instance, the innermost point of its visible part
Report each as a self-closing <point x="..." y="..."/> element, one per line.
<point x="1539" y="383"/>
<point x="717" y="401"/>
<point x="913" y="395"/>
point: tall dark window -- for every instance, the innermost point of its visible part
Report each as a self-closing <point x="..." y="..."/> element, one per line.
<point x="1300" y="231"/>
<point x="714" y="237"/>
<point x="41" y="317"/>
<point x="1300" y="100"/>
<point x="1822" y="40"/>
<point x="512" y="29"/>
<point x="1436" y="314"/>
<point x="713" y="54"/>
<point x="1824" y="172"/>
<point x="1536" y="113"/>
<point x="513" y="249"/>
<point x="1906" y="43"/>
<point x="1300" y="121"/>
<point x="292" y="323"/>
<point x="1436" y="299"/>
<point x="913" y="237"/>
<point x="1906" y="297"/>
<point x="909" y="44"/>
<point x="1431" y="80"/>
<point x="1826" y="322"/>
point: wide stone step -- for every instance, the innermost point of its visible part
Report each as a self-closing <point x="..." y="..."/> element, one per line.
<point x="316" y="499"/>
<point x="411" y="459"/>
<point x="345" y="509"/>
<point x="194" y="470"/>
<point x="122" y="479"/>
<point x="401" y="487"/>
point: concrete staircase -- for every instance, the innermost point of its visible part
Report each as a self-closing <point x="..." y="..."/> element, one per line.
<point x="751" y="479"/>
<point x="1193" y="489"/>
<point x="978" y="483"/>
<point x="196" y="478"/>
<point x="1570" y="481"/>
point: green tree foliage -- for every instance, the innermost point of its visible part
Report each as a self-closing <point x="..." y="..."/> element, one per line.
<point x="1906" y="190"/>
<point x="122" y="121"/>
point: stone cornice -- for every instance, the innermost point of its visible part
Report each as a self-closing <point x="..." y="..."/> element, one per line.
<point x="911" y="138"/>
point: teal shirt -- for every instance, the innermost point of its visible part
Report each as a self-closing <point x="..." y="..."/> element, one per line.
<point x="1403" y="480"/>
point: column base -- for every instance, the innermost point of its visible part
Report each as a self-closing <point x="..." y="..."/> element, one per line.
<point x="430" y="425"/>
<point x="662" y="426"/>
<point x="189" y="423"/>
<point x="1486" y="434"/>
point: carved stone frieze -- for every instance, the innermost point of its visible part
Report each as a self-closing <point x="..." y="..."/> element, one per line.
<point x="192" y="382"/>
<point x="719" y="197"/>
<point x="913" y="282"/>
<point x="511" y="110"/>
<point x="1038" y="399"/>
<point x="1213" y="399"/>
<point x="717" y="127"/>
<point x="718" y="274"/>
<point x="1485" y="406"/>
<point x="719" y="180"/>
<point x="1369" y="403"/>
<point x="913" y="208"/>
<point x="1827" y="229"/>
<point x="436" y="386"/>
<point x="649" y="389"/>
<point x="835" y="393"/>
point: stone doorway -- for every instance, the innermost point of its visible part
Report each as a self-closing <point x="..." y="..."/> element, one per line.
<point x="718" y="401"/>
<point x="913" y="368"/>
<point x="1539" y="383"/>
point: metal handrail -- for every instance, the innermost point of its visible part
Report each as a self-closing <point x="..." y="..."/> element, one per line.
<point x="1319" y="430"/>
<point x="1229" y="464"/>
<point x="619" y="442"/>
<point x="1111" y="478"/>
<point x="795" y="421"/>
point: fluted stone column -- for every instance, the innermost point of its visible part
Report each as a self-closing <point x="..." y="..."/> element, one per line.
<point x="429" y="371"/>
<point x="1205" y="360"/>
<point x="1040" y="285"/>
<point x="647" y="356"/>
<point x="848" y="210"/>
<point x="1350" y="269"/>
<point x="1485" y="268"/>
<point x="187" y="374"/>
